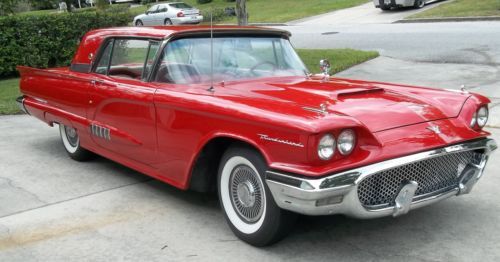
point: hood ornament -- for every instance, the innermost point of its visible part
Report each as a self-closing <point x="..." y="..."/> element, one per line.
<point x="322" y="110"/>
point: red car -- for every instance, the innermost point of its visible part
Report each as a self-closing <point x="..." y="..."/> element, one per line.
<point x="234" y="109"/>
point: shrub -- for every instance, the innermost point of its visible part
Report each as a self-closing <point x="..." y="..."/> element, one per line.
<point x="218" y="15"/>
<point x="203" y="1"/>
<point x="48" y="40"/>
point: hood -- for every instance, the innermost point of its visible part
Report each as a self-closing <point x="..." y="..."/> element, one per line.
<point x="378" y="106"/>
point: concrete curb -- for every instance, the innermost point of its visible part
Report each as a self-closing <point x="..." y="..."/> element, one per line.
<point x="449" y="19"/>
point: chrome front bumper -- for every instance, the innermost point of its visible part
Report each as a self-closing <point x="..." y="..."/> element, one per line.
<point x="338" y="193"/>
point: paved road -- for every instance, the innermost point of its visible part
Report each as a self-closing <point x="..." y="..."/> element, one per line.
<point x="363" y="14"/>
<point x="56" y="209"/>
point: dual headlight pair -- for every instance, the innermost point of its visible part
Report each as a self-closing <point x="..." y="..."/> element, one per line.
<point x="344" y="144"/>
<point x="480" y="117"/>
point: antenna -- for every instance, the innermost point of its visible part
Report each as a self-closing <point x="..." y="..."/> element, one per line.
<point x="211" y="88"/>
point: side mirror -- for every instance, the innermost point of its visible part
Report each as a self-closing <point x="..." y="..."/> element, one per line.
<point x="325" y="69"/>
<point x="147" y="12"/>
<point x="325" y="66"/>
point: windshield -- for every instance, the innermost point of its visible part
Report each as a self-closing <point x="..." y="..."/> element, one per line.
<point x="181" y="5"/>
<point x="187" y="60"/>
<point x="152" y="9"/>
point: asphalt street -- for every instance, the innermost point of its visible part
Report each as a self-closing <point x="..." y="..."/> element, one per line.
<point x="362" y="14"/>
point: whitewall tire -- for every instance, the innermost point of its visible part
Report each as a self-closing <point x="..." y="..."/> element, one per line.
<point x="71" y="142"/>
<point x="246" y="201"/>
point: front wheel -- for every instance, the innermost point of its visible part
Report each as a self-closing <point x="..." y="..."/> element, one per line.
<point x="419" y="3"/>
<point x="167" y="22"/>
<point x="71" y="142"/>
<point x="138" y="23"/>
<point x="248" y="205"/>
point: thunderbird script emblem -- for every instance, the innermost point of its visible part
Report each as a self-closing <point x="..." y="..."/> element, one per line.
<point x="435" y="129"/>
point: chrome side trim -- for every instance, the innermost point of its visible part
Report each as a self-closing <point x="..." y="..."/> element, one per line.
<point x="100" y="131"/>
<point x="301" y="195"/>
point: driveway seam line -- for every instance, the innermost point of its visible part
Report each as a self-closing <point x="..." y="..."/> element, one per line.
<point x="74" y="198"/>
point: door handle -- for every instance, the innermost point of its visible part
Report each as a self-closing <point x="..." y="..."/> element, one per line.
<point x="96" y="82"/>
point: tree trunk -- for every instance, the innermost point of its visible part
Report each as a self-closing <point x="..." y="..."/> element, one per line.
<point x="68" y="4"/>
<point x="241" y="12"/>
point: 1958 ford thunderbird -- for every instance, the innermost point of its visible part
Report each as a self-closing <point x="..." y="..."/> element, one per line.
<point x="234" y="110"/>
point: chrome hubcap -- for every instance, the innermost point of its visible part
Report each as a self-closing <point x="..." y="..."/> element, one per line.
<point x="246" y="193"/>
<point x="72" y="136"/>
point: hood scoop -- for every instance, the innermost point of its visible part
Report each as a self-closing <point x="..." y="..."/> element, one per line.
<point x="356" y="91"/>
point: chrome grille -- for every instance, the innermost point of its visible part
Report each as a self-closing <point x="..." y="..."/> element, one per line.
<point x="433" y="175"/>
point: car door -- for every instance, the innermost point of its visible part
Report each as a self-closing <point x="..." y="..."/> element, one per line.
<point x="122" y="113"/>
<point x="162" y="15"/>
<point x="150" y="18"/>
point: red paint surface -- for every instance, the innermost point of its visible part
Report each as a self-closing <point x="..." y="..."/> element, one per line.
<point x="159" y="129"/>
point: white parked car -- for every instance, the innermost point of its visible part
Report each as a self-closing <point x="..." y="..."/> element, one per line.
<point x="387" y="4"/>
<point x="169" y="14"/>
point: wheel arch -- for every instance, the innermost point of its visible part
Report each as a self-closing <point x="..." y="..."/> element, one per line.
<point x="205" y="165"/>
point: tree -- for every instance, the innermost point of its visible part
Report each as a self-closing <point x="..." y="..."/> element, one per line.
<point x="43" y="4"/>
<point x="241" y="12"/>
<point x="7" y="6"/>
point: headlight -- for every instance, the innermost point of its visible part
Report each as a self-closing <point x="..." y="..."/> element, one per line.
<point x="346" y="141"/>
<point x="482" y="116"/>
<point x="326" y="147"/>
<point x="473" y="121"/>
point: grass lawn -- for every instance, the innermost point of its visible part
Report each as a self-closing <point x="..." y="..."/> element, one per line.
<point x="9" y="91"/>
<point x="462" y="8"/>
<point x="340" y="59"/>
<point x="273" y="10"/>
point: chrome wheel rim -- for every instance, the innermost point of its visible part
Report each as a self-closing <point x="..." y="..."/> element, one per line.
<point x="246" y="193"/>
<point x="72" y="136"/>
<point x="421" y="3"/>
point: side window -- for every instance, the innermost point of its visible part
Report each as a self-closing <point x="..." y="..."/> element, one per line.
<point x="153" y="49"/>
<point x="102" y="65"/>
<point x="153" y="10"/>
<point x="162" y="9"/>
<point x="128" y="58"/>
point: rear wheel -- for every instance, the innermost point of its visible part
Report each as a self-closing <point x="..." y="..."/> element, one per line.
<point x="71" y="142"/>
<point x="248" y="205"/>
<point x="138" y="23"/>
<point x="167" y="22"/>
<point x="419" y="3"/>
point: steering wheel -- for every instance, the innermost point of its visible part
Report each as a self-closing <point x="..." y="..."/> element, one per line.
<point x="252" y="70"/>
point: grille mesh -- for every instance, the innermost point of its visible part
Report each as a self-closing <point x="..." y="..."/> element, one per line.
<point x="432" y="175"/>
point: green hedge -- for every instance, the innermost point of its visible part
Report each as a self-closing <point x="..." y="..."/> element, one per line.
<point x="48" y="40"/>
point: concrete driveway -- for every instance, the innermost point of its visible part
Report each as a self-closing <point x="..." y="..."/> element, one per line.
<point x="55" y="209"/>
<point x="362" y="14"/>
